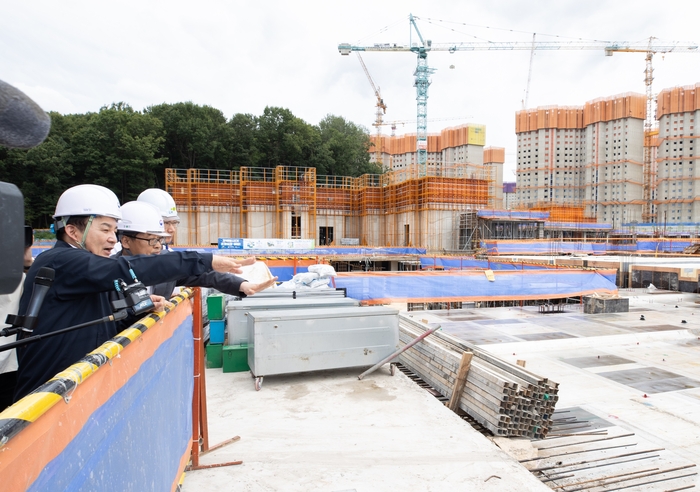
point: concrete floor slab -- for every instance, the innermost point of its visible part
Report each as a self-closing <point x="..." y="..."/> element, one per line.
<point x="328" y="431"/>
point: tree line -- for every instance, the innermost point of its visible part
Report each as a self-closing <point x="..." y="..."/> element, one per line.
<point x="128" y="151"/>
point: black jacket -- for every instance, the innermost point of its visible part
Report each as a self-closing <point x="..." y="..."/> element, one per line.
<point x="223" y="282"/>
<point x="80" y="293"/>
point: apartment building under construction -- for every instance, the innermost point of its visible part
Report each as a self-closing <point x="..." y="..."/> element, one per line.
<point x="593" y="156"/>
<point x="461" y="146"/>
<point x="398" y="208"/>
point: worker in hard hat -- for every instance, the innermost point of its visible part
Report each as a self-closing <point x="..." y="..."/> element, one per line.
<point x="163" y="201"/>
<point x="86" y="223"/>
<point x="142" y="232"/>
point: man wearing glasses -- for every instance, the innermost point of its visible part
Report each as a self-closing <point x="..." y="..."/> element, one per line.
<point x="142" y="232"/>
<point x="165" y="204"/>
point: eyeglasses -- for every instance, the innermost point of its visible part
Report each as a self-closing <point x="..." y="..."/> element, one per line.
<point x="151" y="242"/>
<point x="173" y="223"/>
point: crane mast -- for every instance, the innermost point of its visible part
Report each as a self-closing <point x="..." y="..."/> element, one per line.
<point x="648" y="212"/>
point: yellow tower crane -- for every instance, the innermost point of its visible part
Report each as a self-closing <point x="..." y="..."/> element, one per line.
<point x="648" y="212"/>
<point x="379" y="114"/>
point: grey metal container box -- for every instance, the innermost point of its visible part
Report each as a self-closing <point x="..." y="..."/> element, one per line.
<point x="288" y="341"/>
<point x="237" y="311"/>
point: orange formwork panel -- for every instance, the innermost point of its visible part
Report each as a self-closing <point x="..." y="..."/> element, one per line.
<point x="559" y="117"/>
<point x="564" y="213"/>
<point x="678" y="100"/>
<point x="471" y="134"/>
<point x="494" y="155"/>
<point x="628" y="105"/>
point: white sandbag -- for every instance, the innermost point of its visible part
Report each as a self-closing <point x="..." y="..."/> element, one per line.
<point x="323" y="270"/>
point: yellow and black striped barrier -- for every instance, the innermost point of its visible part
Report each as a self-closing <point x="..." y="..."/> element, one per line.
<point x="61" y="386"/>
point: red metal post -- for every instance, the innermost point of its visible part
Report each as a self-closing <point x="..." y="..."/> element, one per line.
<point x="200" y="426"/>
<point x="198" y="356"/>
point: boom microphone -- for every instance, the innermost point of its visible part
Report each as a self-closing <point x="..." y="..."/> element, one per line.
<point x="42" y="284"/>
<point x="23" y="124"/>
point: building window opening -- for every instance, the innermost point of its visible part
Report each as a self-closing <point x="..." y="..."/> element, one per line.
<point x="296" y="226"/>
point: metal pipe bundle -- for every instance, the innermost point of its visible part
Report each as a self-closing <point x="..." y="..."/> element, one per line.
<point x="505" y="398"/>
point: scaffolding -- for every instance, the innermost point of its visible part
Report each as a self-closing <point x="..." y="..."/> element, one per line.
<point x="398" y="208"/>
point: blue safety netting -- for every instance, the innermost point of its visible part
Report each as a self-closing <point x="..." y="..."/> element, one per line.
<point x="496" y="247"/>
<point x="450" y="263"/>
<point x="474" y="286"/>
<point x="663" y="245"/>
<point x="584" y="226"/>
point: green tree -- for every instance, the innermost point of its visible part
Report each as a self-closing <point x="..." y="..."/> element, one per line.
<point x="195" y="136"/>
<point x="347" y="144"/>
<point x="118" y="148"/>
<point x="244" y="152"/>
<point x="284" y="140"/>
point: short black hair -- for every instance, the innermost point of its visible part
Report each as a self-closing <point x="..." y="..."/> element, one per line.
<point x="79" y="221"/>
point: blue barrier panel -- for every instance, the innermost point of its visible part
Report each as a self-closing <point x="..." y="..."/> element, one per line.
<point x="136" y="439"/>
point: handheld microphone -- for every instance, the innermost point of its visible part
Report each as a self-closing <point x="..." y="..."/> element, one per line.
<point x="23" y="124"/>
<point x="42" y="284"/>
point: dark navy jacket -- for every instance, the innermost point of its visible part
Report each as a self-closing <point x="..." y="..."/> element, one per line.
<point x="223" y="282"/>
<point x="80" y="293"/>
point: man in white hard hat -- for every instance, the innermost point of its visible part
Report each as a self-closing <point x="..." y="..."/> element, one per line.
<point x="142" y="232"/>
<point x="163" y="201"/>
<point x="86" y="223"/>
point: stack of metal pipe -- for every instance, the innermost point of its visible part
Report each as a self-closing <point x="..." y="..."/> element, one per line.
<point x="505" y="398"/>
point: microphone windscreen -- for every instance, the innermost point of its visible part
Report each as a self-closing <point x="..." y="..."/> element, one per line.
<point x="46" y="273"/>
<point x="23" y="124"/>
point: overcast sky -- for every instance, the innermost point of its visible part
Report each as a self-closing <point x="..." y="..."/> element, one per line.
<point x="240" y="56"/>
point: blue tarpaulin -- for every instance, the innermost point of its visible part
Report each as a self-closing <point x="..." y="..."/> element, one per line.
<point x="451" y="263"/>
<point x="375" y="288"/>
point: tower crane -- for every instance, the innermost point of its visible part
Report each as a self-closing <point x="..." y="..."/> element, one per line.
<point x="424" y="46"/>
<point x="647" y="209"/>
<point x="380" y="112"/>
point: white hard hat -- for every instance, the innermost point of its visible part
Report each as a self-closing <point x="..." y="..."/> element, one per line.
<point x="87" y="199"/>
<point x="141" y="217"/>
<point x="162" y="200"/>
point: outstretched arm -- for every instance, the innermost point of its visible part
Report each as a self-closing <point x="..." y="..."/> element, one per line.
<point x="249" y="288"/>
